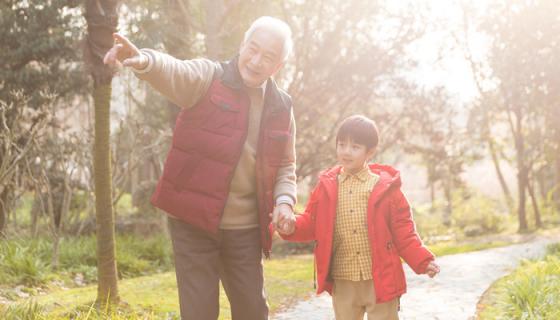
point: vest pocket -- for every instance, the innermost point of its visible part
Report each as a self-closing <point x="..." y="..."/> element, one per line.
<point x="224" y="103"/>
<point x="223" y="117"/>
<point x="397" y="266"/>
<point x="275" y="149"/>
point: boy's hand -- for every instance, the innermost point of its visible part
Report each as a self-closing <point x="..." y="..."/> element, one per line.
<point x="432" y="269"/>
<point x="283" y="219"/>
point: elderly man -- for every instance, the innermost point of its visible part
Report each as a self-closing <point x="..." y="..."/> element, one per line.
<point x="231" y="163"/>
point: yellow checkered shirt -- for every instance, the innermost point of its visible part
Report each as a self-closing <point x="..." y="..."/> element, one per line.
<point x="351" y="247"/>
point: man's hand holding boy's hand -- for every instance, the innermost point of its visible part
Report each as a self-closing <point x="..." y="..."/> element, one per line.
<point x="432" y="269"/>
<point x="283" y="219"/>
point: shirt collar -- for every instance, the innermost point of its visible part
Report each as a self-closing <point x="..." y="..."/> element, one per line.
<point x="361" y="175"/>
<point x="260" y="90"/>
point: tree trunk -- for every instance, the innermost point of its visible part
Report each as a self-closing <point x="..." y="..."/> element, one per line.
<point x="521" y="214"/>
<point x="522" y="180"/>
<point x="556" y="184"/>
<point x="102" y="20"/>
<point x="3" y="209"/>
<point x="432" y="194"/>
<point x="178" y="42"/>
<point x="56" y="245"/>
<point x="505" y="189"/>
<point x="2" y="220"/>
<point x="107" y="289"/>
<point x="531" y="190"/>
<point x="36" y="210"/>
<point x="522" y="170"/>
<point x="62" y="213"/>
<point x="214" y="10"/>
<point x="556" y="188"/>
<point x="449" y="205"/>
<point x="541" y="182"/>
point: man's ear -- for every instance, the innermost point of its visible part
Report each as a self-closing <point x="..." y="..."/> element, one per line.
<point x="278" y="67"/>
<point x="239" y="50"/>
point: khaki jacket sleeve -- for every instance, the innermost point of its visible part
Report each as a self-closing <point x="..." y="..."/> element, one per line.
<point x="286" y="176"/>
<point x="183" y="82"/>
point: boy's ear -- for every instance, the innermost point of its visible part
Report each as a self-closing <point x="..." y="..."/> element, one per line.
<point x="371" y="153"/>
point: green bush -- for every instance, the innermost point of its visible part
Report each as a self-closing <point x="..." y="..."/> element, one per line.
<point x="429" y="221"/>
<point x="476" y="214"/>
<point x="549" y="210"/>
<point x="532" y="291"/>
<point x="22" y="209"/>
<point x="31" y="310"/>
<point x="122" y="312"/>
<point x="472" y="214"/>
<point x="553" y="249"/>
<point x="129" y="265"/>
<point x="78" y="251"/>
<point x="79" y="201"/>
<point x="24" y="262"/>
<point x="22" y="311"/>
<point x="124" y="205"/>
<point x="28" y="262"/>
<point x="156" y="249"/>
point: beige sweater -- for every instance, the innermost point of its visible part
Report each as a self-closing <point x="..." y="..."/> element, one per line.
<point x="184" y="82"/>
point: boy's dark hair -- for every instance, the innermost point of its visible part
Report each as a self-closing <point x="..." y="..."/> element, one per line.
<point x="360" y="129"/>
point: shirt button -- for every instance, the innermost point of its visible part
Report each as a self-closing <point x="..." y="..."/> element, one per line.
<point x="350" y="192"/>
<point x="358" y="253"/>
<point x="355" y="231"/>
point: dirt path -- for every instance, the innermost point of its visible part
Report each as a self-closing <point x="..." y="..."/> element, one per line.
<point x="453" y="294"/>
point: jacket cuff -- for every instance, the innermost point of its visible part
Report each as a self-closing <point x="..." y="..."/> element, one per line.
<point x="150" y="65"/>
<point x="424" y="264"/>
<point x="285" y="199"/>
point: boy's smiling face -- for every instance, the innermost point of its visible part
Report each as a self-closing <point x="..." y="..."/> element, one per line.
<point x="353" y="156"/>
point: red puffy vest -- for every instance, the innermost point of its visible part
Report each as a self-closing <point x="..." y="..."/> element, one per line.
<point x="207" y="143"/>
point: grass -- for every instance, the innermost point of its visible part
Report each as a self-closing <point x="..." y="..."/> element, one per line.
<point x="532" y="291"/>
<point x="28" y="262"/>
<point x="448" y="248"/>
<point x="148" y="290"/>
<point x="288" y="279"/>
<point x="23" y="263"/>
<point x="155" y="297"/>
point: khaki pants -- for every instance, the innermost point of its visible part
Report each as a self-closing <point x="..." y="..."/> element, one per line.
<point x="353" y="299"/>
<point x="202" y="260"/>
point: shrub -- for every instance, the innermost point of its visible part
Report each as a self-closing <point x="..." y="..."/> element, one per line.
<point x="24" y="262"/>
<point x="77" y="251"/>
<point x="28" y="262"/>
<point x="532" y="291"/>
<point x="476" y="214"/>
<point x="23" y="311"/>
<point x="429" y="221"/>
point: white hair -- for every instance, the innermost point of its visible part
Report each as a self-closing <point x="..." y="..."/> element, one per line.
<point x="277" y="25"/>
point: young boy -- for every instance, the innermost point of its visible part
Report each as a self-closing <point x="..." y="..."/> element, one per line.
<point x="362" y="225"/>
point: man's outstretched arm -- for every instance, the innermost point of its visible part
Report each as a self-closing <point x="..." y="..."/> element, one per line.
<point x="183" y="82"/>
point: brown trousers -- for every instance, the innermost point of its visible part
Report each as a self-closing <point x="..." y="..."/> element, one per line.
<point x="202" y="260"/>
<point x="352" y="299"/>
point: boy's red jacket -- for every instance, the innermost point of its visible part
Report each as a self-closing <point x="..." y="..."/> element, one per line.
<point x="391" y="231"/>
